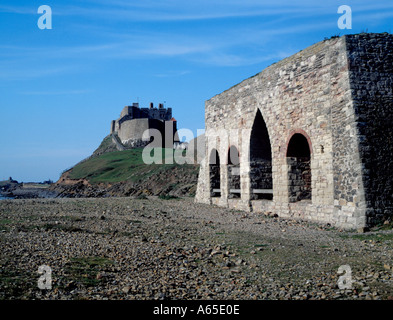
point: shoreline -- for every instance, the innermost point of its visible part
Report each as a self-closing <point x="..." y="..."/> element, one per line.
<point x="22" y="192"/>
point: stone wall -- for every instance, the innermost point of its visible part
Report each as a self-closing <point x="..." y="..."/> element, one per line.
<point x="370" y="59"/>
<point x="233" y="181"/>
<point x="135" y="121"/>
<point x="132" y="129"/>
<point x="214" y="177"/>
<point x="323" y="93"/>
<point x="261" y="178"/>
<point x="131" y="132"/>
<point x="299" y="179"/>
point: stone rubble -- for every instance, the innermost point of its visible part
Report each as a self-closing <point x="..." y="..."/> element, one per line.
<point x="124" y="248"/>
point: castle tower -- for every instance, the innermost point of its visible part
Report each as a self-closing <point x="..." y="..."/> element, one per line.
<point x="136" y="125"/>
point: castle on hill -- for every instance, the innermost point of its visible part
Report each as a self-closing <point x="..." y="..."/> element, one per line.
<point x="137" y="127"/>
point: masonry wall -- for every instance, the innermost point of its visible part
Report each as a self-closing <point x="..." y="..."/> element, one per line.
<point x="132" y="128"/>
<point x="161" y="133"/>
<point x="311" y="93"/>
<point x="261" y="173"/>
<point x="370" y="58"/>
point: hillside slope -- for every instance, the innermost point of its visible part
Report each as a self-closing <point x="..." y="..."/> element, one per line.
<point x="123" y="173"/>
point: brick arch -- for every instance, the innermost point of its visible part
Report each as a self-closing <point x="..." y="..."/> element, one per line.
<point x="298" y="159"/>
<point x="269" y="126"/>
<point x="291" y="134"/>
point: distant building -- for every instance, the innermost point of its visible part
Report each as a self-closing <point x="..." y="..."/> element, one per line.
<point x="138" y="127"/>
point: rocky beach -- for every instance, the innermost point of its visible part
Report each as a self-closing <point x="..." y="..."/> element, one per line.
<point x="18" y="190"/>
<point x="169" y="248"/>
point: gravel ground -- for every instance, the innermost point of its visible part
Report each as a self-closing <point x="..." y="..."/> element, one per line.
<point x="124" y="248"/>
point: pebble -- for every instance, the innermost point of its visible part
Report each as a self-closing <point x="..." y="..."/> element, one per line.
<point x="180" y="250"/>
<point x="126" y="289"/>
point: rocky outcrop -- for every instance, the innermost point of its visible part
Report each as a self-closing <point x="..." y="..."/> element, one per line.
<point x="172" y="181"/>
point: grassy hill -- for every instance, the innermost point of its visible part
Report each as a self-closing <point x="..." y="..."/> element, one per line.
<point x="118" y="173"/>
<point x="120" y="166"/>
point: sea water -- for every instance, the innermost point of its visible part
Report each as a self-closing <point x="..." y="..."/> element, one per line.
<point x="2" y="197"/>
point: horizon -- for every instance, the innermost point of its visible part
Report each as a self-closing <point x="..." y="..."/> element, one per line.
<point x="61" y="87"/>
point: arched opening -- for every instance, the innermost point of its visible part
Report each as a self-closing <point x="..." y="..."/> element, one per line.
<point x="214" y="174"/>
<point x="299" y="164"/>
<point x="260" y="160"/>
<point x="233" y="173"/>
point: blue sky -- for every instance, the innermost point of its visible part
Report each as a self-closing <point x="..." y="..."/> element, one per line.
<point x="60" y="88"/>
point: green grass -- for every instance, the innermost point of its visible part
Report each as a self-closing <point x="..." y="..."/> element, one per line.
<point x="382" y="226"/>
<point x="120" y="166"/>
<point x="379" y="234"/>
<point x="47" y="227"/>
<point x="168" y="197"/>
<point x="15" y="283"/>
<point x="106" y="144"/>
<point x="372" y="237"/>
<point x="4" y="223"/>
<point x="84" y="270"/>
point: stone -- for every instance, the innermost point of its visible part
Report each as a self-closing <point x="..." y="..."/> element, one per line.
<point x="239" y="262"/>
<point x="126" y="289"/>
<point x="100" y="275"/>
<point x="361" y="230"/>
<point x="235" y="270"/>
<point x="309" y="145"/>
<point x="387" y="266"/>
